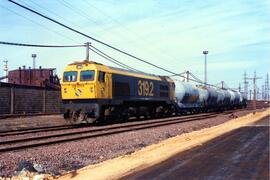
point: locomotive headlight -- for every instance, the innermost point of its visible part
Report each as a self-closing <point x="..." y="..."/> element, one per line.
<point x="65" y="90"/>
<point x="79" y="66"/>
<point x="91" y="89"/>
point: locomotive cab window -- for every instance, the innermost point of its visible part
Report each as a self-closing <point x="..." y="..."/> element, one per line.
<point x="70" y="76"/>
<point x="101" y="76"/>
<point x="88" y="75"/>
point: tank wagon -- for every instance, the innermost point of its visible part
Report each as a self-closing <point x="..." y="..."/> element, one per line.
<point x="92" y="92"/>
<point x="186" y="97"/>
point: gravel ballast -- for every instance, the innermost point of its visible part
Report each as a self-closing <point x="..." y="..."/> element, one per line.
<point x="59" y="158"/>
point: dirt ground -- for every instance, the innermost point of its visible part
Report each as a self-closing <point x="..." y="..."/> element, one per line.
<point x="240" y="154"/>
<point x="31" y="122"/>
<point x="58" y="159"/>
<point x="237" y="149"/>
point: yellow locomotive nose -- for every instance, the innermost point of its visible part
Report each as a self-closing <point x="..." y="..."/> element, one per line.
<point x="78" y="82"/>
<point x="86" y="81"/>
<point x="78" y="90"/>
<point x="84" y="86"/>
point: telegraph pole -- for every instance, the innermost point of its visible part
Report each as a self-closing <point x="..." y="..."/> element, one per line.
<point x="239" y="87"/>
<point x="205" y="66"/>
<point x="87" y="45"/>
<point x="222" y="84"/>
<point x="254" y="90"/>
<point x="187" y="76"/>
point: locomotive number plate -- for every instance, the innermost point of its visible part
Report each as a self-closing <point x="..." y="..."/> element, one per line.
<point x="145" y="88"/>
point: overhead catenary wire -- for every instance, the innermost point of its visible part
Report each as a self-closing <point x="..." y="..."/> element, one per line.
<point x="90" y="37"/>
<point x="111" y="59"/>
<point x="77" y="11"/>
<point x="96" y="50"/>
<point x="37" y="23"/>
<point x="39" y="45"/>
<point x="99" y="41"/>
<point x="103" y="55"/>
<point x="196" y="78"/>
<point x="109" y="17"/>
<point x="94" y="39"/>
<point x="49" y="10"/>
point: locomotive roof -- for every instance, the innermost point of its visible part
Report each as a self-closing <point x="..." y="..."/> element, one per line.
<point x="136" y="72"/>
<point x="123" y="71"/>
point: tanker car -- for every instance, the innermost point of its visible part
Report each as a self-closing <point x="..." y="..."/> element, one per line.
<point x="94" y="92"/>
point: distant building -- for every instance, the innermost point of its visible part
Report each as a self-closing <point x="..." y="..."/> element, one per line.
<point x="42" y="77"/>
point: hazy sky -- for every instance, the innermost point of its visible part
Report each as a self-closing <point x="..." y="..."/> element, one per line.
<point x="171" y="34"/>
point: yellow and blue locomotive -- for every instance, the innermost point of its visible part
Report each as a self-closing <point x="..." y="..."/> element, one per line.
<point x="92" y="91"/>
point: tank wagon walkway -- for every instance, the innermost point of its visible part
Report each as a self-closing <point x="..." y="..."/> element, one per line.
<point x="238" y="149"/>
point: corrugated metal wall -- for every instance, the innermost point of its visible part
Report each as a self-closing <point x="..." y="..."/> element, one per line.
<point x="19" y="99"/>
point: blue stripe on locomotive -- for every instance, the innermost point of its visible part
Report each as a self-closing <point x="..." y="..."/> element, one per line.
<point x="133" y="86"/>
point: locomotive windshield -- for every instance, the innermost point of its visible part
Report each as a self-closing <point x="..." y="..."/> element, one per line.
<point x="87" y="75"/>
<point x="70" y="76"/>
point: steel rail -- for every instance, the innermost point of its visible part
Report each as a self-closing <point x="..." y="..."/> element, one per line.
<point x="93" y="129"/>
<point x="60" y="127"/>
<point x="99" y="132"/>
<point x="66" y="127"/>
<point x="36" y="129"/>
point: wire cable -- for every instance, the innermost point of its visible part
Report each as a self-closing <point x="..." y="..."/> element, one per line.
<point x="38" y="45"/>
<point x="139" y="37"/>
<point x="37" y="23"/>
<point x="99" y="41"/>
<point x="99" y="52"/>
<point x="48" y="10"/>
<point x="112" y="60"/>
<point x="196" y="78"/>
<point x="77" y="11"/>
<point x="94" y="39"/>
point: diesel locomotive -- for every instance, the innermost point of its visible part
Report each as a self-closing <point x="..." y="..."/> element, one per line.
<point x="93" y="92"/>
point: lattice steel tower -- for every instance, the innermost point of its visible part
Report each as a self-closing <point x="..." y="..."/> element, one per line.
<point x="245" y="85"/>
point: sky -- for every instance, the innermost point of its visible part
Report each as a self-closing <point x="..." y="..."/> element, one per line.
<point x="171" y="34"/>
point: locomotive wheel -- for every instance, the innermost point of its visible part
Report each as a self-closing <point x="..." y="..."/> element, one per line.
<point x="81" y="117"/>
<point x="90" y="120"/>
<point x="74" y="116"/>
<point x="125" y="114"/>
<point x="67" y="114"/>
<point x="159" y="112"/>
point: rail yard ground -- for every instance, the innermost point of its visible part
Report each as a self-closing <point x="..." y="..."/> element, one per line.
<point x="237" y="149"/>
<point x="61" y="158"/>
<point x="30" y="122"/>
<point x="240" y="154"/>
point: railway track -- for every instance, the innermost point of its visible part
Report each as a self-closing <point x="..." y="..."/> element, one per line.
<point x="37" y="129"/>
<point x="62" y="127"/>
<point x="43" y="140"/>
